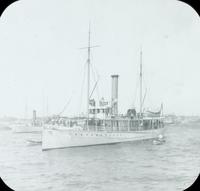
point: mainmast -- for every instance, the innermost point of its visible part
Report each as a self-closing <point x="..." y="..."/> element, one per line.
<point x="141" y="83"/>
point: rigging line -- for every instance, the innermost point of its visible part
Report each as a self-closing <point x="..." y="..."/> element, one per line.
<point x="136" y="89"/>
<point x="82" y="86"/>
<point x="66" y="105"/>
<point x="94" y="88"/>
<point x="95" y="72"/>
<point x="92" y="67"/>
<point x="90" y="47"/>
<point x="145" y="85"/>
<point x="97" y="84"/>
<point x="144" y="97"/>
<point x="96" y="81"/>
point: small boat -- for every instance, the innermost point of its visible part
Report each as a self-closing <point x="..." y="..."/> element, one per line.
<point x="34" y="142"/>
<point x="159" y="141"/>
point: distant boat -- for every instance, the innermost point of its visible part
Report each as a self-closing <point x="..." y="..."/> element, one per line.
<point x="5" y="125"/>
<point x="103" y="124"/>
<point x="170" y="119"/>
<point x="27" y="127"/>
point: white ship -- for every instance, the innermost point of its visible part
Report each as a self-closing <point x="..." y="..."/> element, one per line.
<point x="103" y="124"/>
<point x="28" y="127"/>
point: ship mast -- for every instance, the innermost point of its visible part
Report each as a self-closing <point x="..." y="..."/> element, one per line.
<point x="141" y="84"/>
<point x="88" y="76"/>
<point x="88" y="72"/>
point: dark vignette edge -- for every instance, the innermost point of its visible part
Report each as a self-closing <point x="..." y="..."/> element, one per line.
<point x="4" y="4"/>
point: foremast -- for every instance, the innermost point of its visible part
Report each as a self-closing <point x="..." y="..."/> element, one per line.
<point x="88" y="73"/>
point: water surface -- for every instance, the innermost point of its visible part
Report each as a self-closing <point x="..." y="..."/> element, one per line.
<point x="140" y="166"/>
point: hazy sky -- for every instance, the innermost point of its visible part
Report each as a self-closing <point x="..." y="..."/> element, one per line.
<point x="41" y="63"/>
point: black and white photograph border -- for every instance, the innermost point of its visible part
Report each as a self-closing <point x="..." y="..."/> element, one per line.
<point x="99" y="95"/>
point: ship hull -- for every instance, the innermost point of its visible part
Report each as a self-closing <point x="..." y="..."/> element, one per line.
<point x="60" y="138"/>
